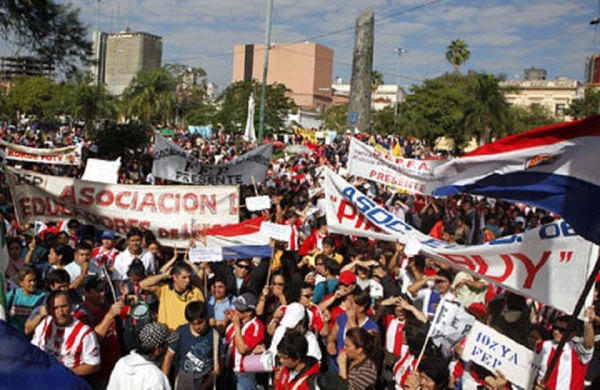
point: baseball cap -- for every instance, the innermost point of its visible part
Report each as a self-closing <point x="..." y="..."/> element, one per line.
<point x="520" y="219"/>
<point x="347" y="278"/>
<point x="294" y="313"/>
<point x="155" y="334"/>
<point x="110" y="234"/>
<point x="244" y="302"/>
<point x="477" y="309"/>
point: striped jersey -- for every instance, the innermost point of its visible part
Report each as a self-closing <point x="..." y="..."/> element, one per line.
<point x="72" y="345"/>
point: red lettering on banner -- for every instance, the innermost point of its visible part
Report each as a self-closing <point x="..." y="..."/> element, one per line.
<point x="531" y="269"/>
<point x="177" y="203"/>
<point x="144" y="225"/>
<point x="162" y="204"/>
<point x="233" y="204"/>
<point x="175" y="233"/>
<point x="87" y="196"/>
<point x="134" y="201"/>
<point x="119" y="199"/>
<point x="186" y="206"/>
<point x="25" y="205"/>
<point x="148" y="201"/>
<point x="461" y="260"/>
<point x="105" y="198"/>
<point x="120" y="226"/>
<point x="208" y="202"/>
<point x="38" y="206"/>
<point x="483" y="267"/>
<point x="163" y="233"/>
<point x="507" y="270"/>
<point x="68" y="194"/>
<point x="342" y="214"/>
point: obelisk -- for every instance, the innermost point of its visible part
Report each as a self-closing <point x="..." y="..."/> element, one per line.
<point x="359" y="105"/>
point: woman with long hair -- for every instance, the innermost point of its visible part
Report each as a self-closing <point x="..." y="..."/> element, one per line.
<point x="358" y="362"/>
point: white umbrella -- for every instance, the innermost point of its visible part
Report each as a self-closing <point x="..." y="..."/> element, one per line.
<point x="250" y="133"/>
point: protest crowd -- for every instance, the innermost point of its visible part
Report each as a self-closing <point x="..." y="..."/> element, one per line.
<point x="325" y="310"/>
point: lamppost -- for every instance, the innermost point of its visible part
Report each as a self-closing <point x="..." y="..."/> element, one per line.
<point x="263" y="90"/>
<point x="399" y="51"/>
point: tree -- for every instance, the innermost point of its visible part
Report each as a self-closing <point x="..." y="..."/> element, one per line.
<point x="488" y="114"/>
<point x="335" y="118"/>
<point x="234" y="105"/>
<point x="589" y="105"/>
<point x="90" y="103"/>
<point x="376" y="80"/>
<point x="151" y="97"/>
<point x="191" y="88"/>
<point x="50" y="31"/>
<point x="438" y="109"/>
<point x="383" y="120"/>
<point x="457" y="54"/>
<point x="33" y="96"/>
<point x="113" y="140"/>
<point x="525" y="118"/>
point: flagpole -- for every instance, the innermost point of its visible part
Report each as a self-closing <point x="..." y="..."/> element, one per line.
<point x="573" y="320"/>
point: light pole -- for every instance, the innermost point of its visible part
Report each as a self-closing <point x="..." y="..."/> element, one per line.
<point x="263" y="90"/>
<point x="399" y="51"/>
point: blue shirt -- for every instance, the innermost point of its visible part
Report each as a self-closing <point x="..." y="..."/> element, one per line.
<point x="319" y="291"/>
<point x="195" y="353"/>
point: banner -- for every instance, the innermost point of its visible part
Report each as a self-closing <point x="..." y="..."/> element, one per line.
<point x="450" y="324"/>
<point x="535" y="263"/>
<point x="409" y="174"/>
<point x="70" y="155"/>
<point x="494" y="351"/>
<point x="173" y="213"/>
<point x="102" y="171"/>
<point x="174" y="163"/>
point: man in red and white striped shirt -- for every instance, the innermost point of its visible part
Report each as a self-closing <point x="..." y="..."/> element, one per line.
<point x="69" y="340"/>
<point x="571" y="368"/>
<point x="243" y="334"/>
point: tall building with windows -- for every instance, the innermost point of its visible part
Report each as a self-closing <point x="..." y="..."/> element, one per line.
<point x="124" y="54"/>
<point x="305" y="68"/>
<point x="12" y="67"/>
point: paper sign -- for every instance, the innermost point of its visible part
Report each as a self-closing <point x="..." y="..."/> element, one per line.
<point x="204" y="254"/>
<point x="494" y="351"/>
<point x="450" y="324"/>
<point x="276" y="231"/>
<point x="255" y="203"/>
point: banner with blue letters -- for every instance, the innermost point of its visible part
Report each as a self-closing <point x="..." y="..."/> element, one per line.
<point x="535" y="263"/>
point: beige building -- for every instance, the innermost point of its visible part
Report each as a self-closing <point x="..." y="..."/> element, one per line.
<point x="384" y="96"/>
<point x="127" y="53"/>
<point x="305" y="68"/>
<point x="553" y="95"/>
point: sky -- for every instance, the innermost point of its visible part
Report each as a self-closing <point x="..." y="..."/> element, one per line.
<point x="504" y="36"/>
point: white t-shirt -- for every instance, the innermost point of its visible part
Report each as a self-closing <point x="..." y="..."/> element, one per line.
<point x="124" y="260"/>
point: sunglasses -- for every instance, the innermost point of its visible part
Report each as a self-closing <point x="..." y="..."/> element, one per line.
<point x="559" y="328"/>
<point x="243" y="266"/>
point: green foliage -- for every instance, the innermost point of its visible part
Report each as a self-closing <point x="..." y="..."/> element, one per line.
<point x="458" y="107"/>
<point x="335" y="118"/>
<point x="113" y="139"/>
<point x="383" y="120"/>
<point x="457" y="54"/>
<point x="376" y="80"/>
<point x="525" y="118"/>
<point x="53" y="32"/>
<point x="589" y="105"/>
<point x="234" y="106"/>
<point x="151" y="97"/>
<point x="32" y="96"/>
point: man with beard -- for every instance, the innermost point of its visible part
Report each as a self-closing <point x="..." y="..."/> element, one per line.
<point x="66" y="338"/>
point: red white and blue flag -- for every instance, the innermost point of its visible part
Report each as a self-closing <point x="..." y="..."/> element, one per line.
<point x="239" y="241"/>
<point x="555" y="167"/>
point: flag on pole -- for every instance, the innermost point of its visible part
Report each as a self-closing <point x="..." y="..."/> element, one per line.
<point x="555" y="167"/>
<point x="250" y="133"/>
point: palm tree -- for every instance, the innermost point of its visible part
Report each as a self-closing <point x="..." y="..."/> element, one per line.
<point x="457" y="53"/>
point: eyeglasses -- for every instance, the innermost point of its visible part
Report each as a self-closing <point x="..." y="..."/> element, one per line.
<point x="278" y="284"/>
<point x="307" y="295"/>
<point x="559" y="328"/>
<point x="247" y="267"/>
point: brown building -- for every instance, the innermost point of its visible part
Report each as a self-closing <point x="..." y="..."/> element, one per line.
<point x="305" y="68"/>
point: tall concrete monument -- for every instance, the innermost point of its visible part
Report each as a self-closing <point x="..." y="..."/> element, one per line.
<point x="359" y="105"/>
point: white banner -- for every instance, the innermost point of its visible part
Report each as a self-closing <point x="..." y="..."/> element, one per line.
<point x="70" y="155"/>
<point x="206" y="254"/>
<point x="494" y="351"/>
<point x="174" y="163"/>
<point x="168" y="211"/>
<point x="450" y="324"/>
<point x="102" y="171"/>
<point x="409" y="174"/>
<point x="254" y="203"/>
<point x="535" y="263"/>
